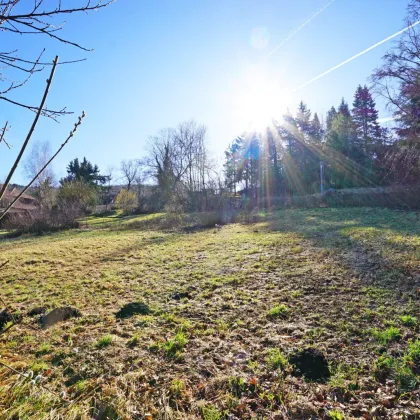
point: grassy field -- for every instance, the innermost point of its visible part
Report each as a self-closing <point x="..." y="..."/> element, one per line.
<point x="223" y="311"/>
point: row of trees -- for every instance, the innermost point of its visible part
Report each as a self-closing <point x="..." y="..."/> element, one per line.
<point x="287" y="157"/>
<point x="177" y="172"/>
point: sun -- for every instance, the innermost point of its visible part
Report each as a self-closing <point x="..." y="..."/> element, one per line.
<point x="260" y="100"/>
<point x="259" y="107"/>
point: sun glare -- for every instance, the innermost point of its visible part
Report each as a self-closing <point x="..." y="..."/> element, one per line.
<point x="260" y="100"/>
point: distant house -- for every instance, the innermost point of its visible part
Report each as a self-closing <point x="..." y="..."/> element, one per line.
<point x="25" y="205"/>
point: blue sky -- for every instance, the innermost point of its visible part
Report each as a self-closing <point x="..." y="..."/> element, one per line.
<point x="157" y="63"/>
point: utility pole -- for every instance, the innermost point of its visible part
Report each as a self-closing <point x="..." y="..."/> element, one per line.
<point x="321" y="167"/>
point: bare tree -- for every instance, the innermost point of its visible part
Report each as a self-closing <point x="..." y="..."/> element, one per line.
<point x="130" y="171"/>
<point x="161" y="161"/>
<point x="36" y="159"/>
<point x="178" y="160"/>
<point x="38" y="156"/>
<point x="140" y="180"/>
<point x="189" y="142"/>
<point x="398" y="79"/>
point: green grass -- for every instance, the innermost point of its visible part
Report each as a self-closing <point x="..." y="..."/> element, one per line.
<point x="279" y="311"/>
<point x="44" y="348"/>
<point x="387" y="336"/>
<point x="401" y="369"/>
<point x="104" y="341"/>
<point x="211" y="413"/>
<point x="408" y="320"/>
<point x="228" y="307"/>
<point x="413" y="354"/>
<point x="336" y="415"/>
<point x="174" y="347"/>
<point x="275" y="359"/>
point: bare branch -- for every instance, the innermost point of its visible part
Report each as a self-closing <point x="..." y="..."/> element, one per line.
<point x="3" y="133"/>
<point x="44" y="112"/>
<point x="36" y="18"/>
<point x="31" y="130"/>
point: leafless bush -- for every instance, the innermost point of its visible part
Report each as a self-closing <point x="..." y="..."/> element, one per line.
<point x="42" y="221"/>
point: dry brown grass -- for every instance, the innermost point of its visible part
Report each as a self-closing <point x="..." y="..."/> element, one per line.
<point x="205" y="349"/>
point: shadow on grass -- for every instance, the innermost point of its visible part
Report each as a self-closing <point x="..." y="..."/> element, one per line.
<point x="165" y="236"/>
<point x="363" y="239"/>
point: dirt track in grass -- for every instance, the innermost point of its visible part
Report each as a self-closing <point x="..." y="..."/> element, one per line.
<point x="226" y="309"/>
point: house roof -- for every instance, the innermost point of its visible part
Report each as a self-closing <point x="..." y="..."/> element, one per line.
<point x="23" y="206"/>
<point x="15" y="192"/>
<point x="25" y="203"/>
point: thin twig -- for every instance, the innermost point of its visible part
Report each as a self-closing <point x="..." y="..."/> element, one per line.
<point x="50" y="113"/>
<point x="3" y="264"/>
<point x="76" y="125"/>
<point x="31" y="130"/>
<point x="3" y="132"/>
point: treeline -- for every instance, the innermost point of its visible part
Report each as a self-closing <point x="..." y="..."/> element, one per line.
<point x="350" y="148"/>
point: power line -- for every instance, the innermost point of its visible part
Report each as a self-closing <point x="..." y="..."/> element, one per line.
<point x="294" y="32"/>
<point x="356" y="56"/>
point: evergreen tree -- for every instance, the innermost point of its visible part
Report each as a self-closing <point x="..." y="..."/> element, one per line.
<point x="233" y="159"/>
<point x="316" y="130"/>
<point x="302" y="159"/>
<point x="252" y="164"/>
<point x="331" y="114"/>
<point x="365" y="117"/>
<point x="272" y="179"/>
<point x="84" y="171"/>
<point x="342" y="157"/>
<point x="303" y="118"/>
<point x="343" y="108"/>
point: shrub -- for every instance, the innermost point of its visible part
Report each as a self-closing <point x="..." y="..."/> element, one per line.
<point x="77" y="197"/>
<point x="40" y="221"/>
<point x="126" y="201"/>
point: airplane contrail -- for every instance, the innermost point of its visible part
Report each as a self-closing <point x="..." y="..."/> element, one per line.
<point x="300" y="27"/>
<point x="356" y="56"/>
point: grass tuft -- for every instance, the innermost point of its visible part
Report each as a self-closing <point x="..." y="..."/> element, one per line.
<point x="387" y="336"/>
<point x="280" y="311"/>
<point x="408" y="320"/>
<point x="104" y="341"/>
<point x="275" y="359"/>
